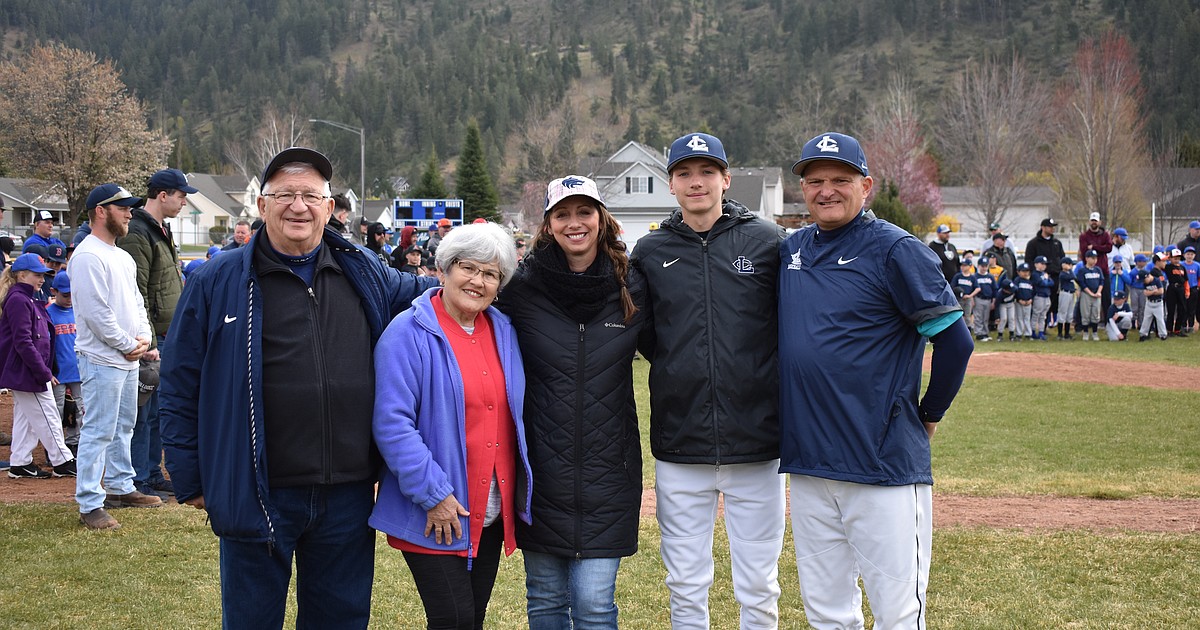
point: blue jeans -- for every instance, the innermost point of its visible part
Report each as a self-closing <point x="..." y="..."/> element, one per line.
<point x="325" y="528"/>
<point x="146" y="446"/>
<point x="570" y="593"/>
<point x="110" y="397"/>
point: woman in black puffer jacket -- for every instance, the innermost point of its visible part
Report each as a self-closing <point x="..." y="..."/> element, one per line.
<point x="577" y="307"/>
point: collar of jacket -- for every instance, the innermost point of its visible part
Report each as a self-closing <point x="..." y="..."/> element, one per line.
<point x="732" y="212"/>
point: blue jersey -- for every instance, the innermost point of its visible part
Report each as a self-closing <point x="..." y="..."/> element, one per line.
<point x="1066" y="283"/>
<point x="986" y="284"/>
<point x="1090" y="278"/>
<point x="38" y="239"/>
<point x="1193" y="273"/>
<point x="66" y="368"/>
<point x="1042" y="283"/>
<point x="1113" y="309"/>
<point x="1118" y="281"/>
<point x="963" y="284"/>
<point x="1023" y="288"/>
<point x="1135" y="277"/>
<point x="850" y="303"/>
<point x="1153" y="278"/>
<point x="1006" y="290"/>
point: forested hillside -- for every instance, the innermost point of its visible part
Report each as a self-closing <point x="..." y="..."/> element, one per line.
<point x="553" y="80"/>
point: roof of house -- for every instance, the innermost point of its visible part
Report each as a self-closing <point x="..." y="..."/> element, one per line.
<point x="220" y="189"/>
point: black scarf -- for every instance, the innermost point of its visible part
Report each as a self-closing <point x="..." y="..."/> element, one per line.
<point x="579" y="295"/>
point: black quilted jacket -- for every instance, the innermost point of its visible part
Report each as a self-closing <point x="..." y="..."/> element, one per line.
<point x="580" y="423"/>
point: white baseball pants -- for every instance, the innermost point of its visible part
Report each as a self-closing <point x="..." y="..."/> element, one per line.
<point x="754" y="522"/>
<point x="846" y="530"/>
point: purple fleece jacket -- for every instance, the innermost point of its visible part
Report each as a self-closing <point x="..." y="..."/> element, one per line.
<point x="26" y="341"/>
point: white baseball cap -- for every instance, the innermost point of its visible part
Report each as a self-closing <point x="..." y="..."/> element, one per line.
<point x="1095" y="216"/>
<point x="570" y="186"/>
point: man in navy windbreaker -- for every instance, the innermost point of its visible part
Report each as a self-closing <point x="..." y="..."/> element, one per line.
<point x="267" y="401"/>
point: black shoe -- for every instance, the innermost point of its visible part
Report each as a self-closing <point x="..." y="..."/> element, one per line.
<point x="1143" y="338"/>
<point x="162" y="486"/>
<point x="28" y="471"/>
<point x="65" y="469"/>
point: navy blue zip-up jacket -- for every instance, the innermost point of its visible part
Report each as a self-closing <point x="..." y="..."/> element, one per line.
<point x="211" y="406"/>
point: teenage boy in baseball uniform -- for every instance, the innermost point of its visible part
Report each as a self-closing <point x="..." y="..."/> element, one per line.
<point x="858" y="298"/>
<point x="712" y="270"/>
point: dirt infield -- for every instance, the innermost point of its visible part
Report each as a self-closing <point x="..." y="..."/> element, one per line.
<point x="1023" y="512"/>
<point x="1072" y="369"/>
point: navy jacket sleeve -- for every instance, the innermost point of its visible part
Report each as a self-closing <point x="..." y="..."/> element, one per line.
<point x="951" y="351"/>
<point x="179" y="391"/>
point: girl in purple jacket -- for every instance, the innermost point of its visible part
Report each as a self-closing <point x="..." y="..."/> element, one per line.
<point x="26" y="352"/>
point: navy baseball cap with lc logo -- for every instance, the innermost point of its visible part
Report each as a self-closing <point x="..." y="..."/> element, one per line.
<point x="832" y="146"/>
<point x="696" y="145"/>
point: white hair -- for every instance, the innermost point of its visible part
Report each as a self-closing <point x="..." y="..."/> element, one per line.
<point x="480" y="242"/>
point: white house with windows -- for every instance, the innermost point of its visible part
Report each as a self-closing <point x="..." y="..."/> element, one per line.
<point x="635" y="186"/>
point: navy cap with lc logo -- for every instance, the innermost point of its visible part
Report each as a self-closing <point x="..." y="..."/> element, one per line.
<point x="696" y="145"/>
<point x="832" y="146"/>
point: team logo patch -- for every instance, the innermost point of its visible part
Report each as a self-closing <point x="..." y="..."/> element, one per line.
<point x="795" y="264"/>
<point x="828" y="145"/>
<point x="743" y="265"/>
<point x="697" y="144"/>
<point x="572" y="182"/>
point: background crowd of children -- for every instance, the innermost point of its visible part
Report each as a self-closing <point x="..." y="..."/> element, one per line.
<point x="1156" y="296"/>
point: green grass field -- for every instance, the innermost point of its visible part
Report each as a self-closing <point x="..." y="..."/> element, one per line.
<point x="1004" y="436"/>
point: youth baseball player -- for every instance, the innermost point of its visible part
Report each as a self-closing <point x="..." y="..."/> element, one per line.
<point x="858" y="298"/>
<point x="1155" y="283"/>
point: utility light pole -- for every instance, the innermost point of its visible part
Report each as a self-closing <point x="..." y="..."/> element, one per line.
<point x="362" y="155"/>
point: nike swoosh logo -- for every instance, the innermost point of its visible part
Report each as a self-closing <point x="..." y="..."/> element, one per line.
<point x="668" y="264"/>
<point x="843" y="262"/>
<point x="229" y="319"/>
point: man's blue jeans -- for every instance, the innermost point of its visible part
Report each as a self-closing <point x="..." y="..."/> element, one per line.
<point x="567" y="592"/>
<point x="146" y="445"/>
<point x="110" y="397"/>
<point x="325" y="528"/>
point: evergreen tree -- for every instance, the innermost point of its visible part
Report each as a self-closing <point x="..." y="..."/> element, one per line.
<point x="887" y="206"/>
<point x="475" y="185"/>
<point x="431" y="186"/>
<point x="634" y="131"/>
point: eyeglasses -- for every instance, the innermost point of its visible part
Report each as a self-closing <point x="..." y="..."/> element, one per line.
<point x="472" y="270"/>
<point x="287" y="198"/>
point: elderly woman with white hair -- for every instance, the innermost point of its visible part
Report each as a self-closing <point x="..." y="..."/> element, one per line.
<point x="448" y="401"/>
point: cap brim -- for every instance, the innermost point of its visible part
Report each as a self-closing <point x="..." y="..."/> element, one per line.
<point x="710" y="158"/>
<point x="298" y="154"/>
<point x="798" y="167"/>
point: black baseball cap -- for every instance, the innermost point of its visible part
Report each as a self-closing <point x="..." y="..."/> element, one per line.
<point x="1048" y="222"/>
<point x="297" y="154"/>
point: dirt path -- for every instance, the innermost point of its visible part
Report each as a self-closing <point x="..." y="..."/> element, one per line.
<point x="1072" y="369"/>
<point x="1024" y="512"/>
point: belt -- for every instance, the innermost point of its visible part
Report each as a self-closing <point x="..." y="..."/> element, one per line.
<point x="1153" y="299"/>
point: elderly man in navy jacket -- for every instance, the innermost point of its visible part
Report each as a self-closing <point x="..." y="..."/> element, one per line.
<point x="267" y="400"/>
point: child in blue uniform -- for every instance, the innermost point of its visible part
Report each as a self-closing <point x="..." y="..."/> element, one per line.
<point x="964" y="286"/>
<point x="1119" y="319"/>
<point x="1091" y="283"/>
<point x="1043" y="284"/>
<point x="62" y="316"/>
<point x="985" y="283"/>
<point x="1155" y="282"/>
<point x="1066" y="297"/>
<point x="1137" y="296"/>
<point x="1193" y="277"/>
<point x="1005" y="309"/>
<point x="1023" y="294"/>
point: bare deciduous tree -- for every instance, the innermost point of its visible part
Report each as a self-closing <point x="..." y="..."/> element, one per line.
<point x="992" y="128"/>
<point x="1100" y="145"/>
<point x="67" y="119"/>
<point x="898" y="152"/>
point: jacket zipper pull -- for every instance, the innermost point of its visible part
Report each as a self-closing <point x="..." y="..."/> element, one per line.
<point x="313" y="296"/>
